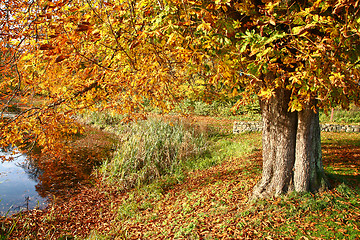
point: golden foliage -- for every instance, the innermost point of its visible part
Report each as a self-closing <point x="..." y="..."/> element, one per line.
<point x="60" y="57"/>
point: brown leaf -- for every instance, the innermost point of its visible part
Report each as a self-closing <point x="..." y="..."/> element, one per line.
<point x="46" y="46"/>
<point x="338" y="8"/>
<point x="61" y="58"/>
<point x="83" y="26"/>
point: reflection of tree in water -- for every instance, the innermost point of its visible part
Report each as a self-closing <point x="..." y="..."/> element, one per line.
<point x="26" y="199"/>
<point x="62" y="173"/>
<point x="29" y="165"/>
<point x="31" y="168"/>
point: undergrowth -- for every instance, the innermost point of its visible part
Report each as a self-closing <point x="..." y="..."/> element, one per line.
<point x="158" y="149"/>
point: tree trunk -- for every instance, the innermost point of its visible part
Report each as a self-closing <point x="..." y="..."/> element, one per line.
<point x="291" y="149"/>
<point x="309" y="172"/>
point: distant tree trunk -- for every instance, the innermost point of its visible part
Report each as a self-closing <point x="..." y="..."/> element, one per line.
<point x="291" y="149"/>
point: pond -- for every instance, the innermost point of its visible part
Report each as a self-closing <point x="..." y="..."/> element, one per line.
<point x="18" y="182"/>
<point x="32" y="181"/>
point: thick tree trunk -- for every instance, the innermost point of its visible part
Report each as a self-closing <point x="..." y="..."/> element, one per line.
<point x="291" y="149"/>
<point x="308" y="170"/>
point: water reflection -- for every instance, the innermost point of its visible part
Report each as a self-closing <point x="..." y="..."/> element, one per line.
<point x="26" y="182"/>
<point x="63" y="175"/>
<point x="18" y="180"/>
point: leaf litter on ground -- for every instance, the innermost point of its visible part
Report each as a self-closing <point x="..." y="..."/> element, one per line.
<point x="210" y="203"/>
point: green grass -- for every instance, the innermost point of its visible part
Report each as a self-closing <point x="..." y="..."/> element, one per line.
<point x="5" y="231"/>
<point x="222" y="148"/>
<point x="351" y="116"/>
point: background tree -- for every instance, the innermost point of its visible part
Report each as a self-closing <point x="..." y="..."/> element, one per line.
<point x="296" y="56"/>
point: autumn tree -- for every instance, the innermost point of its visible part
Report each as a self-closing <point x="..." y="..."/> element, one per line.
<point x="295" y="56"/>
<point x="302" y="55"/>
<point x="79" y="55"/>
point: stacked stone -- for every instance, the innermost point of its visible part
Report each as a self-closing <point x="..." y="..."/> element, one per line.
<point x="247" y="127"/>
<point x="240" y="127"/>
<point x="339" y="128"/>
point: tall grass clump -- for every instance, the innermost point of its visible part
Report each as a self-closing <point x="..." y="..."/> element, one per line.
<point x="151" y="149"/>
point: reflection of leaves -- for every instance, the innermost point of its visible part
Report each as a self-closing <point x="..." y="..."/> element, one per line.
<point x="63" y="172"/>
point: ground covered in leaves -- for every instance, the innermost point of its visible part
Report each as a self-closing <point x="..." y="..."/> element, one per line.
<point x="211" y="203"/>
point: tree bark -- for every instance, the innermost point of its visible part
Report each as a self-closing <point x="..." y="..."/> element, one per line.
<point x="291" y="148"/>
<point x="309" y="172"/>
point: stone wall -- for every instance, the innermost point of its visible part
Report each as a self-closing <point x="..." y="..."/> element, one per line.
<point x="257" y="127"/>
<point x="240" y="127"/>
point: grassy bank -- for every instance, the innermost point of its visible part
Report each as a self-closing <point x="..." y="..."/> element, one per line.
<point x="213" y="203"/>
<point x="201" y="195"/>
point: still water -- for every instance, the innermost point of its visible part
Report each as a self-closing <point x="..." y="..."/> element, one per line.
<point x="27" y="182"/>
<point x="18" y="182"/>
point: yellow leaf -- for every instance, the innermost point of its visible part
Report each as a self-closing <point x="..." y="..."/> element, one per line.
<point x="235" y="92"/>
<point x="266" y="93"/>
<point x="27" y="57"/>
<point x="295" y="106"/>
<point x="204" y="26"/>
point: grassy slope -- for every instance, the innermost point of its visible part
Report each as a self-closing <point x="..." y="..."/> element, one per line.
<point x="211" y="203"/>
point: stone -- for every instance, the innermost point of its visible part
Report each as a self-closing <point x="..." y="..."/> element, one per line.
<point x="240" y="127"/>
